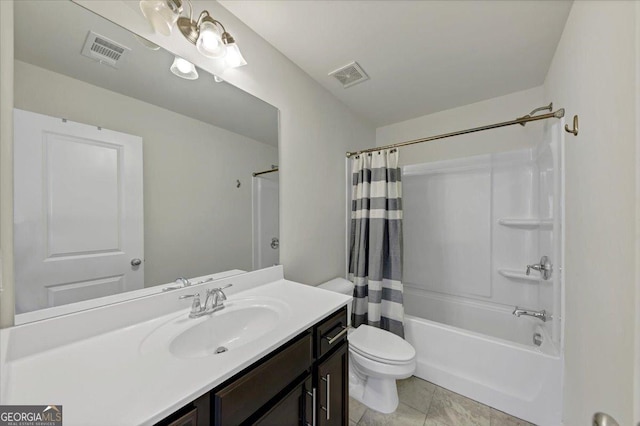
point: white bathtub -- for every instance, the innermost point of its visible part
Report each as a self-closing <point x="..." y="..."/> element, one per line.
<point x="487" y="354"/>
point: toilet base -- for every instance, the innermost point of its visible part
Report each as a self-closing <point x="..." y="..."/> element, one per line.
<point x="378" y="394"/>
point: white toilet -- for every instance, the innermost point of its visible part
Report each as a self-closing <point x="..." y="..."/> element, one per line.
<point x="377" y="358"/>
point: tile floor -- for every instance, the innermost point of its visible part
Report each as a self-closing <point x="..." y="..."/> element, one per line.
<point x="424" y="404"/>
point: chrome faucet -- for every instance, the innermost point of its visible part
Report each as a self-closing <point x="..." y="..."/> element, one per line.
<point x="217" y="297"/>
<point x="196" y="307"/>
<point x="212" y="303"/>
<point x="182" y="282"/>
<point x="541" y="315"/>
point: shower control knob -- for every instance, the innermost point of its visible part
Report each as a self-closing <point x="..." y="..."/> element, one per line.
<point x="544" y="267"/>
<point x="275" y="243"/>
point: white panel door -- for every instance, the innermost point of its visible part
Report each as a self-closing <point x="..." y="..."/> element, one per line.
<point x="266" y="230"/>
<point x="78" y="211"/>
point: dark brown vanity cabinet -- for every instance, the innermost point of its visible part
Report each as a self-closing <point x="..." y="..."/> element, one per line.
<point x="304" y="382"/>
<point x="331" y="372"/>
<point x="333" y="389"/>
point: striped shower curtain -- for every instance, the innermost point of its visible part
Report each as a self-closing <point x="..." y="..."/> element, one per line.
<point x="375" y="265"/>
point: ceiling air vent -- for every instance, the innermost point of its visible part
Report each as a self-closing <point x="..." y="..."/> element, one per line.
<point x="350" y="74"/>
<point x="103" y="50"/>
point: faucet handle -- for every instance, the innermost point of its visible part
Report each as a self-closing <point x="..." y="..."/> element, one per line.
<point x="219" y="291"/>
<point x="182" y="280"/>
<point x="544" y="267"/>
<point x="195" y="306"/>
<point x="535" y="267"/>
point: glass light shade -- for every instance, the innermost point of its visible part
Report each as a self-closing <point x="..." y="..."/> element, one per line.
<point x="209" y="41"/>
<point x="162" y="14"/>
<point x="217" y="79"/>
<point x="234" y="58"/>
<point x="184" y="69"/>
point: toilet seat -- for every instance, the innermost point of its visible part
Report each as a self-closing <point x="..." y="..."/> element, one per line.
<point x="381" y="346"/>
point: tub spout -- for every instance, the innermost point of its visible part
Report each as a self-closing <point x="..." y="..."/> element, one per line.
<point x="541" y="315"/>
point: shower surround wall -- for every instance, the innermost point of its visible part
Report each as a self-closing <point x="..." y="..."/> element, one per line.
<point x="471" y="227"/>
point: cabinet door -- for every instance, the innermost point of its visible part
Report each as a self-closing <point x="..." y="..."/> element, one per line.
<point x="194" y="414"/>
<point x="189" y="419"/>
<point x="333" y="389"/>
<point x="235" y="402"/>
<point x="292" y="409"/>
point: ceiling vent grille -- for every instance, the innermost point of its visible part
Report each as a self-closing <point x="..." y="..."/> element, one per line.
<point x="350" y="74"/>
<point x="103" y="50"/>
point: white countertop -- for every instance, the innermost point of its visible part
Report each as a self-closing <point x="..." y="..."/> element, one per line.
<point x="108" y="380"/>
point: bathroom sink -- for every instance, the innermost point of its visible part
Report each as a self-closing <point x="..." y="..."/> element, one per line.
<point x="241" y="322"/>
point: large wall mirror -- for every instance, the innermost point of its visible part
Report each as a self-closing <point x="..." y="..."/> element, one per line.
<point x="127" y="176"/>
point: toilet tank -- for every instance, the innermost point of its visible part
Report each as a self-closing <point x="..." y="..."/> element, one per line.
<point x="343" y="286"/>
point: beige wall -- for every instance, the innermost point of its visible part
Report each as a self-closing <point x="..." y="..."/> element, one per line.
<point x="6" y="164"/>
<point x="196" y="221"/>
<point x="593" y="75"/>
<point x="496" y="110"/>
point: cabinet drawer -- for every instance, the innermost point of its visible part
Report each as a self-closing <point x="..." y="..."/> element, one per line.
<point x="235" y="402"/>
<point x="331" y="332"/>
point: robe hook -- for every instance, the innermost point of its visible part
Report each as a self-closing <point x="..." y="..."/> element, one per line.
<point x="575" y="126"/>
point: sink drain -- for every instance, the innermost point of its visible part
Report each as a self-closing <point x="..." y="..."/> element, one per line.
<point x="221" y="349"/>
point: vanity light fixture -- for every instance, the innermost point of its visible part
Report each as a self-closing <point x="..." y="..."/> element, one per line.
<point x="162" y="14"/>
<point x="208" y="35"/>
<point x="234" y="58"/>
<point x="184" y="69"/>
<point x="217" y="79"/>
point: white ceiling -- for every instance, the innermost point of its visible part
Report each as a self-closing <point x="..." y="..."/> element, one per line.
<point x="422" y="56"/>
<point x="50" y="34"/>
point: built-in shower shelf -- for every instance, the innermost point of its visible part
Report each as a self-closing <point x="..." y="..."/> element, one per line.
<point x="517" y="275"/>
<point x="525" y="222"/>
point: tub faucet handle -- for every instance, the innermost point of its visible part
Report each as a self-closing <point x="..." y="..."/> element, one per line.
<point x="544" y="267"/>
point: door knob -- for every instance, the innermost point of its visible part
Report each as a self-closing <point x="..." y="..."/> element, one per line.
<point x="603" y="419"/>
<point x="136" y="262"/>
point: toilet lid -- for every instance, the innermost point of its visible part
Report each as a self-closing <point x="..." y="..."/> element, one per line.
<point x="381" y="344"/>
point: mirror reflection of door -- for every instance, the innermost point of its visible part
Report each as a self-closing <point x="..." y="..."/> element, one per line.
<point x="78" y="218"/>
<point x="266" y="230"/>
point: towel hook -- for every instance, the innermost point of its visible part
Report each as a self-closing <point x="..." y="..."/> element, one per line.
<point x="575" y="126"/>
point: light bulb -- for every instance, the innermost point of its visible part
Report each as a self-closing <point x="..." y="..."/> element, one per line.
<point x="234" y="58"/>
<point x="184" y="66"/>
<point x="162" y="14"/>
<point x="209" y="41"/>
<point x="184" y="69"/>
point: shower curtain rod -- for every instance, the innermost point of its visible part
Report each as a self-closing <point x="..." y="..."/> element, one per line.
<point x="275" y="169"/>
<point x="522" y="121"/>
